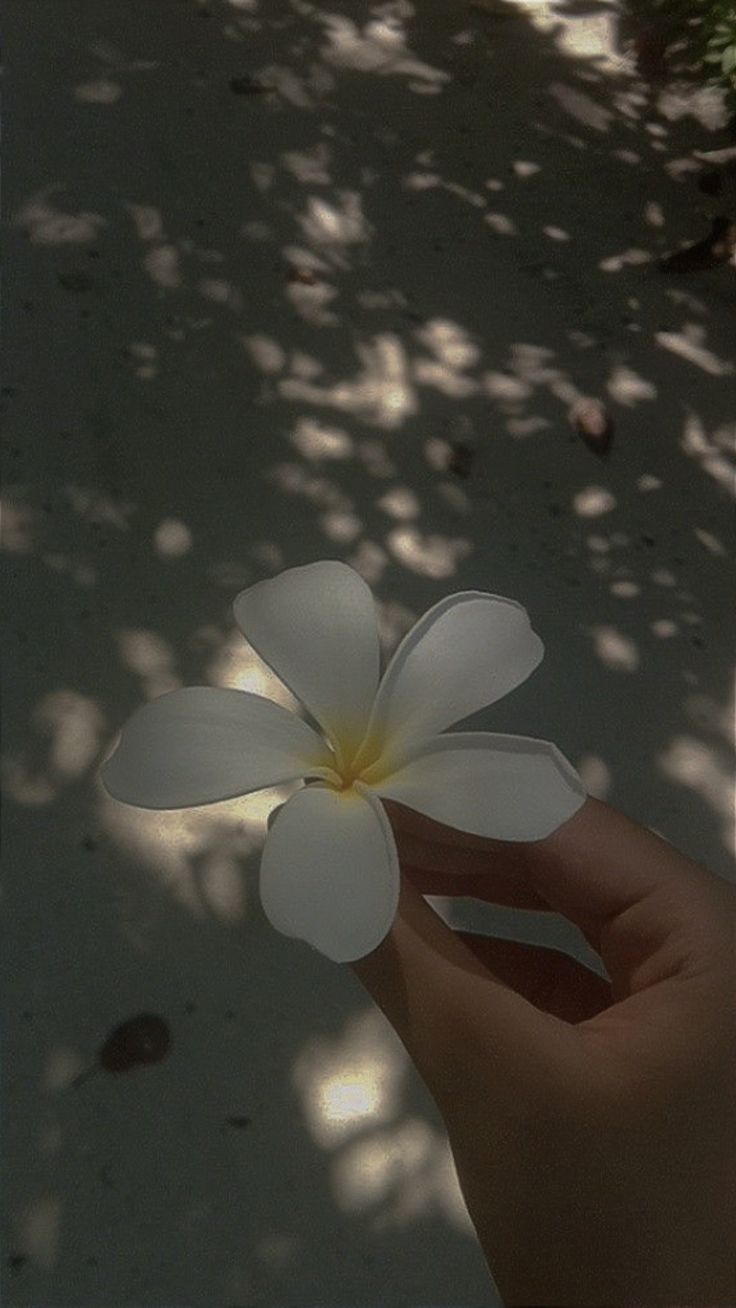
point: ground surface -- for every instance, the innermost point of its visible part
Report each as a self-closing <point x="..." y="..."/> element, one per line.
<point x="243" y="329"/>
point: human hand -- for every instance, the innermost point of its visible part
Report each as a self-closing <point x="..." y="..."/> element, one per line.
<point x="593" y="1125"/>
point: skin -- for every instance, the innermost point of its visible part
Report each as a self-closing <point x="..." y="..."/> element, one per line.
<point x="593" y="1125"/>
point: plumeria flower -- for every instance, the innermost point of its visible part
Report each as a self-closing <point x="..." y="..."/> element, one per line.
<point x="330" y="868"/>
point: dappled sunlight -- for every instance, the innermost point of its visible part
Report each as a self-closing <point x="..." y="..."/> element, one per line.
<point x="309" y="300"/>
<point x="159" y="842"/>
<point x="501" y="223"/>
<point x="148" y="221"/>
<point x="95" y="507"/>
<point x="152" y="659"/>
<point x="102" y="90"/>
<point x="337" y="520"/>
<point x="627" y="388"/>
<point x="706" y="713"/>
<point x="196" y="854"/>
<point x="428" y="555"/>
<point x="630" y="102"/>
<point x="653" y="214"/>
<point x="664" y="628"/>
<point x="83" y="574"/>
<point x="715" y="454"/>
<point x="304" y="365"/>
<point x="76" y="725"/>
<point x="593" y="502"/>
<point x="61" y="1067"/>
<point x="647" y="482"/>
<point x="351" y="1080"/>
<point x="341" y="527"/>
<point x="688" y="300"/>
<point x="163" y="267"/>
<point x="18" y="527"/>
<point x="398" y="1175"/>
<point x="233" y="574"/>
<point x="595" y="775"/>
<point x="533" y="364"/>
<point x="370" y="560"/>
<point x="172" y="539"/>
<point x="350" y="1089"/>
<point x="522" y="428"/>
<point x="47" y="225"/>
<point x="381" y="395"/>
<point x="581" y="107"/>
<point x="419" y="181"/>
<point x="504" y="387"/>
<point x="319" y="442"/>
<point x="687" y="344"/>
<point x="680" y="99"/>
<point x="222" y="886"/>
<point x="334" y="227"/>
<point x="69" y="730"/>
<point x="162" y="264"/>
<point x="614" y="649"/>
<point x="630" y="258"/>
<point x="400" y="503"/>
<point x="309" y="166"/>
<point x="598" y="544"/>
<point x="379" y="49"/>
<point x="235" y="663"/>
<point x="525" y="168"/>
<point x="437" y="452"/>
<point x="38" y="1227"/>
<point x="264" y="352"/>
<point x="221" y="291"/>
<point x="530" y="368"/>
<point x="452" y="351"/>
<point x="143" y="356"/>
<point x="700" y="767"/>
<point x="710" y="541"/>
<point x="25" y="785"/>
<point x="394" y="621"/>
<point x="556" y="233"/>
<point x="454" y="497"/>
<point x="373" y="454"/>
<point x="625" y="589"/>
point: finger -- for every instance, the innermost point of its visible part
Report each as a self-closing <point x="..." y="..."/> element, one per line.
<point x="456" y="1016"/>
<point x="491" y="887"/>
<point x="633" y="896"/>
<point x="457" y="863"/>
<point x="547" y="978"/>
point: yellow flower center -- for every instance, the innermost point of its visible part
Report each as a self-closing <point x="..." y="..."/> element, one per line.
<point x="361" y="765"/>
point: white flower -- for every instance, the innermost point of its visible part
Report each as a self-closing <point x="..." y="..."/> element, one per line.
<point x="329" y="869"/>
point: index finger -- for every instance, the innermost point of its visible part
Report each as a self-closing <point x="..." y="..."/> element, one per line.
<point x="440" y="860"/>
<point x="593" y="869"/>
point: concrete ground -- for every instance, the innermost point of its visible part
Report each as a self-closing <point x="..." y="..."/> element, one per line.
<point x="267" y="263"/>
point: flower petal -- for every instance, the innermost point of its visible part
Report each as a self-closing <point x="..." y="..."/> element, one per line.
<point x="330" y="871"/>
<point x="316" y="628"/>
<point x="465" y="653"/>
<point x="202" y="744"/>
<point x="497" y="786"/>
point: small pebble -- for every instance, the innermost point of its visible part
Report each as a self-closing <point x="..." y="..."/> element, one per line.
<point x="591" y="420"/>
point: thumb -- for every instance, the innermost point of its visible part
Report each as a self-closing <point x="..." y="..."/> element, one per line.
<point x="456" y="1019"/>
